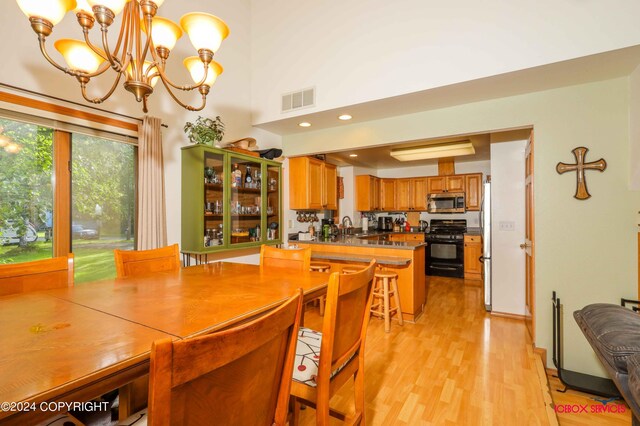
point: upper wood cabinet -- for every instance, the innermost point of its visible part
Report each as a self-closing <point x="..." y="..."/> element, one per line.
<point x="312" y="184"/>
<point x="473" y="191"/>
<point x="452" y="183"/>
<point x="367" y="193"/>
<point x="330" y="181"/>
<point x="404" y="194"/>
<point x="411" y="194"/>
<point x="388" y="194"/>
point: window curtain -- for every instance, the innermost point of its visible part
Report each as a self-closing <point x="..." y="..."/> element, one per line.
<point x="152" y="218"/>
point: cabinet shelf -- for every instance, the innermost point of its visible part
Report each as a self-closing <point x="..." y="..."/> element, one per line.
<point x="246" y="190"/>
<point x="247" y="216"/>
<point x="214" y="186"/>
<point x="215" y="216"/>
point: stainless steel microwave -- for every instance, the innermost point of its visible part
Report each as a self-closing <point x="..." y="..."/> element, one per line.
<point x="446" y="202"/>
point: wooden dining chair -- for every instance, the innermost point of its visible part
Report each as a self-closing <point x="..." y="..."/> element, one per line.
<point x="273" y="257"/>
<point x="43" y="274"/>
<point x="239" y="376"/>
<point x="138" y="262"/>
<point x="326" y="361"/>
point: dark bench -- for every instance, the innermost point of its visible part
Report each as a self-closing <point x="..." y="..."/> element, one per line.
<point x="614" y="334"/>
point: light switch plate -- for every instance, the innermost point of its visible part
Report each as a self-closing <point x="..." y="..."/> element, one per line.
<point x="506" y="225"/>
<point x="290" y="223"/>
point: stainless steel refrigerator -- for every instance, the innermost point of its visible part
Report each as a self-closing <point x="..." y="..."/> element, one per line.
<point x="485" y="225"/>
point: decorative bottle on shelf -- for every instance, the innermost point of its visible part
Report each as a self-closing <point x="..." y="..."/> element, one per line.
<point x="257" y="178"/>
<point x="248" y="179"/>
<point x="236" y="174"/>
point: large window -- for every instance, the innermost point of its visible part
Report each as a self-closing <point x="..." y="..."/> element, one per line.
<point x="103" y="204"/>
<point x="26" y="195"/>
<point x="99" y="214"/>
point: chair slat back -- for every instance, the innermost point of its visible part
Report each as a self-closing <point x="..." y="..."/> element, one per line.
<point x="346" y="317"/>
<point x="241" y="376"/>
<point x="273" y="257"/>
<point x="139" y="262"/>
<point x="37" y="275"/>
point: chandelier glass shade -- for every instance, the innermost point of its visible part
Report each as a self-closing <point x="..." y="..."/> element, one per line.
<point x="141" y="50"/>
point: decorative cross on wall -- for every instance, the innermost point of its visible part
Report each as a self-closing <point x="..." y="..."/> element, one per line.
<point x="581" y="187"/>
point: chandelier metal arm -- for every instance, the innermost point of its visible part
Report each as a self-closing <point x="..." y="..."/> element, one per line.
<point x="115" y="64"/>
<point x="43" y="49"/>
<point x="204" y="90"/>
<point x="160" y="66"/>
<point x="91" y="45"/>
<point x="83" y="86"/>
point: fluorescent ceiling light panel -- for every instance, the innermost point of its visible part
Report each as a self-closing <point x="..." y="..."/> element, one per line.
<point x="433" y="151"/>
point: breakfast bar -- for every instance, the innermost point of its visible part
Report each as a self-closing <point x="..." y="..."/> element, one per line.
<point x="406" y="258"/>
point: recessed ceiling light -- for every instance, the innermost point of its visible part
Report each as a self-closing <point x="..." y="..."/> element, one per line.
<point x="353" y="155"/>
<point x="304" y="124"/>
<point x="345" y="117"/>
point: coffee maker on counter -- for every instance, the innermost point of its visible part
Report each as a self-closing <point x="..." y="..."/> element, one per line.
<point x="385" y="223"/>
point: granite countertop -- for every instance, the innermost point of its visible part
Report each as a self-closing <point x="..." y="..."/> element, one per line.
<point x="359" y="240"/>
<point x="473" y="231"/>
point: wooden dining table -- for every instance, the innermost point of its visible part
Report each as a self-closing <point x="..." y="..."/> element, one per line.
<point x="76" y="343"/>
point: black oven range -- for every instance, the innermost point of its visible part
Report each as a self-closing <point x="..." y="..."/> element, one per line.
<point x="445" y="248"/>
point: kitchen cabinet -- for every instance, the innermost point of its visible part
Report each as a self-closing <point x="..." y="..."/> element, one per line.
<point x="473" y="191"/>
<point x="388" y="195"/>
<point x="367" y="193"/>
<point x="313" y="184"/>
<point x="472" y="253"/>
<point x="411" y="194"/>
<point x="439" y="184"/>
<point x="229" y="200"/>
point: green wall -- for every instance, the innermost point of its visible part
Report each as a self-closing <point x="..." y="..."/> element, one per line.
<point x="585" y="250"/>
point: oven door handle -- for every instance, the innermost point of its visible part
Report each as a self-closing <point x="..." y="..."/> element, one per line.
<point x="444" y="268"/>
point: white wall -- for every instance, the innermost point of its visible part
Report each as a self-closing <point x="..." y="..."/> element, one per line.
<point x="634" y="129"/>
<point x="363" y="50"/>
<point x="507" y="205"/>
<point x="230" y="97"/>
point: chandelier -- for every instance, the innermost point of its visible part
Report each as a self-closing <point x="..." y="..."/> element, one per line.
<point x="140" y="54"/>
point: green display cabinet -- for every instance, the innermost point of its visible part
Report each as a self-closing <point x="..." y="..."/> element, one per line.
<point x="229" y="200"/>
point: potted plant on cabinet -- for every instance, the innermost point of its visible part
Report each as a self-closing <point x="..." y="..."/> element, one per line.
<point x="205" y="131"/>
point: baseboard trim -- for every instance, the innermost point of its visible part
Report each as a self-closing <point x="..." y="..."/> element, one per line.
<point x="510" y="316"/>
<point x="543" y="354"/>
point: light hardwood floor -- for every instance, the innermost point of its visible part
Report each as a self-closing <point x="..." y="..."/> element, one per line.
<point x="457" y="365"/>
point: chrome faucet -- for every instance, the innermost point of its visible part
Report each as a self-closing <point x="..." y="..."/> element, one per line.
<point x="346" y="222"/>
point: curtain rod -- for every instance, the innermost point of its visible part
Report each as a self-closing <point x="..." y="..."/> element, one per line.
<point x="31" y="92"/>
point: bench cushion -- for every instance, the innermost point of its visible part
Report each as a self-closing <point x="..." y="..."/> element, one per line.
<point x="612" y="330"/>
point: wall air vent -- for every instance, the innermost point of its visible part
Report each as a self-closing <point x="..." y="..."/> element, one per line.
<point x="300" y="99"/>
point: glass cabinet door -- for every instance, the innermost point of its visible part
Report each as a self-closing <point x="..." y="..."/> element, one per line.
<point x="245" y="201"/>
<point x="213" y="199"/>
<point x="272" y="182"/>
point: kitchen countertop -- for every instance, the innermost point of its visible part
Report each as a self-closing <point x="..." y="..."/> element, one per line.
<point x="359" y="240"/>
<point x="473" y="231"/>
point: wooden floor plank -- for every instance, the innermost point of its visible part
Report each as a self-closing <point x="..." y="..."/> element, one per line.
<point x="457" y="365"/>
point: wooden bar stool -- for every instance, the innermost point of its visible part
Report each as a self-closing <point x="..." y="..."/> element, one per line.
<point x="386" y="285"/>
<point x="350" y="270"/>
<point x="320" y="267"/>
